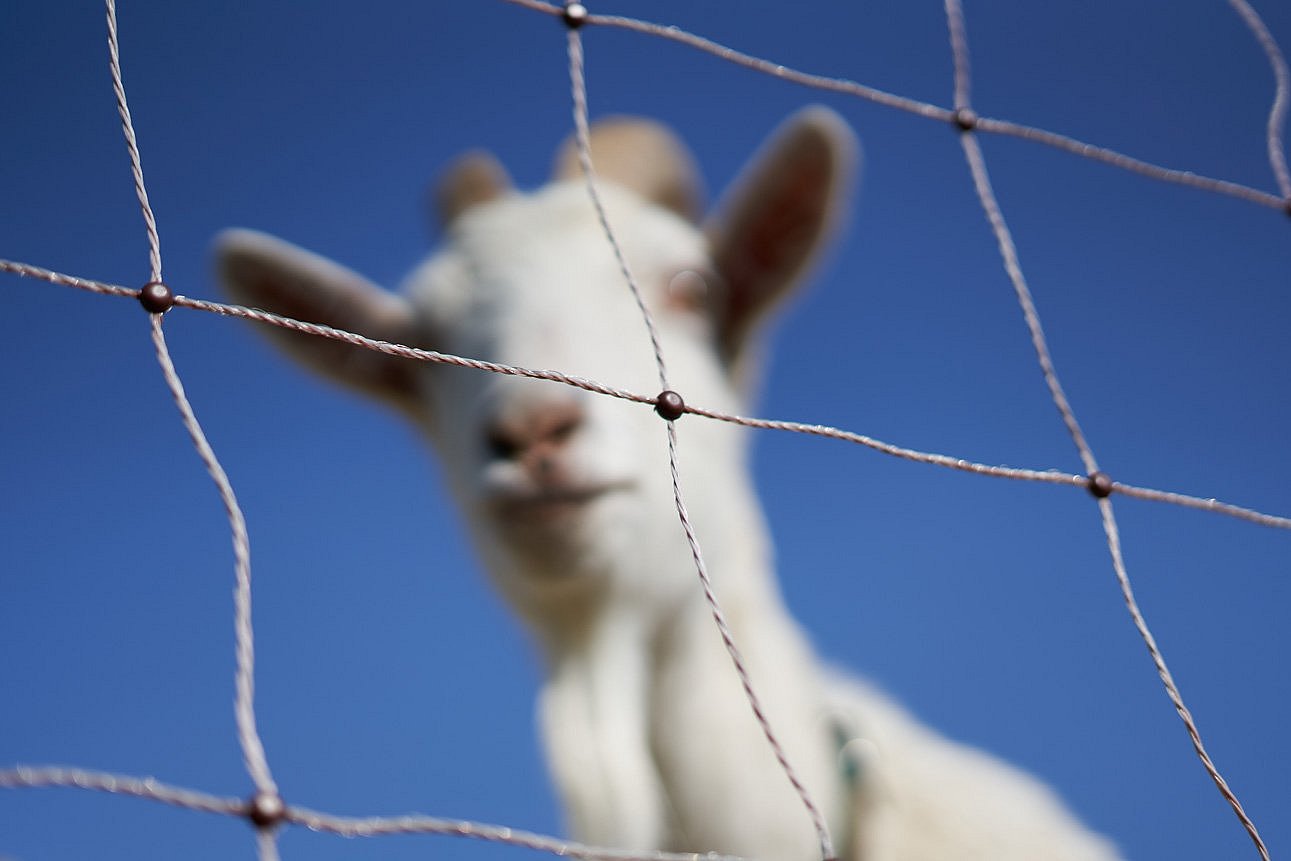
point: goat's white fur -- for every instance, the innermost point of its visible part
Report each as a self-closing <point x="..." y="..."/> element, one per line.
<point x="648" y="734"/>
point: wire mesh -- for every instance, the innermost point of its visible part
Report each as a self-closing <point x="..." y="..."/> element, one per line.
<point x="216" y="374"/>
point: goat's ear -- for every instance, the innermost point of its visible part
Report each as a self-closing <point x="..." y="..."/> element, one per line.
<point x="774" y="221"/>
<point x="643" y="156"/>
<point x="474" y="178"/>
<point x="263" y="272"/>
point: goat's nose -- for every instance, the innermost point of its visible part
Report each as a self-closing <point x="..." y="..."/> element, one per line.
<point x="534" y="436"/>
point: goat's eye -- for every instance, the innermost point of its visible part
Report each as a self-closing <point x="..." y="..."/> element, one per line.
<point x="687" y="291"/>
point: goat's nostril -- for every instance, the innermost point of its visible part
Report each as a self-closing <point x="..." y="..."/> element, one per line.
<point x="518" y="436"/>
<point x="502" y="446"/>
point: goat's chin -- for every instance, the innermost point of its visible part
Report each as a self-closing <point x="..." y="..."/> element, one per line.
<point x="554" y="532"/>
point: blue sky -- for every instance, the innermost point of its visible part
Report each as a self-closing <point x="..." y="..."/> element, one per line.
<point x="390" y="678"/>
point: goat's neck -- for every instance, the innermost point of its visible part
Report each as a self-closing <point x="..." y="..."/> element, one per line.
<point x="633" y="689"/>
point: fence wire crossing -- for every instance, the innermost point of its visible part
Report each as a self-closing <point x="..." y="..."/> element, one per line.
<point x="268" y="812"/>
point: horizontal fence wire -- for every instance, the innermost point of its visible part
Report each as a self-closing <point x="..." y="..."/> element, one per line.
<point x="266" y="811"/>
<point x="38" y="776"/>
<point x="958" y="464"/>
<point x="930" y="111"/>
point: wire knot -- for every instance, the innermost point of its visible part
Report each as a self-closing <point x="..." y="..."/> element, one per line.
<point x="574" y="15"/>
<point x="669" y="406"/>
<point x="156" y="297"/>
<point x="266" y="809"/>
<point x="965" y="119"/>
<point x="1100" y="485"/>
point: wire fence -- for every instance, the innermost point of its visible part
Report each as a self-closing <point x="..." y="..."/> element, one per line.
<point x="270" y="813"/>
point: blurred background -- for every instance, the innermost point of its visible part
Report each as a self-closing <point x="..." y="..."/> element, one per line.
<point x="390" y="678"/>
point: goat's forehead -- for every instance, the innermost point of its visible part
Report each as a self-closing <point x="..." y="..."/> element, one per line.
<point x="548" y="248"/>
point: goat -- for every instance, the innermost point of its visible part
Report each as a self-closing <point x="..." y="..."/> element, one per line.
<point x="647" y="732"/>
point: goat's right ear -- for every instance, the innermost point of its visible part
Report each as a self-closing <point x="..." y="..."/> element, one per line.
<point x="263" y="272"/>
<point x="770" y="228"/>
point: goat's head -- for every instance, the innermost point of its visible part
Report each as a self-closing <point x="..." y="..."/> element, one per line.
<point x="558" y="484"/>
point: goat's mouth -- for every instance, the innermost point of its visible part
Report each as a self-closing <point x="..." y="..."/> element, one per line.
<point x="544" y="507"/>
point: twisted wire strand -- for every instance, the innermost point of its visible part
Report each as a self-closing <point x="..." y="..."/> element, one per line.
<point x="253" y="755"/>
<point x="924" y="109"/>
<point x="348" y="826"/>
<point x="1012" y="266"/>
<point x="132" y="144"/>
<point x="1008" y="253"/>
<point x="737" y="659"/>
<point x="578" y="88"/>
<point x="767" y="67"/>
<point x="583" y="138"/>
<point x="959" y="54"/>
<point x="1213" y="505"/>
<point x="1128" y="163"/>
<point x="267" y="844"/>
<point x="26" y="270"/>
<point x="119" y="784"/>
<point x="1004" y="238"/>
<point x="392" y="349"/>
<point x="1045" y="476"/>
<point x="1281" y="96"/>
<point x="748" y="61"/>
<point x="35" y="776"/>
<point x="1167" y="680"/>
<point x="1048" y="476"/>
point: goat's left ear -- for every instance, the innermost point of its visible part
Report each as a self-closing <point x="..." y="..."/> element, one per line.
<point x="640" y="155"/>
<point x="772" y="224"/>
<point x="265" y="272"/>
<point x="474" y="178"/>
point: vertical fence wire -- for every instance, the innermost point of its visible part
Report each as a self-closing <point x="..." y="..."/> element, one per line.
<point x="1013" y="267"/>
<point x="1008" y="252"/>
<point x="827" y="851"/>
<point x="583" y="138"/>
<point x="253" y="753"/>
<point x="1281" y="97"/>
<point x="132" y="145"/>
<point x="1172" y="690"/>
<point x="578" y="86"/>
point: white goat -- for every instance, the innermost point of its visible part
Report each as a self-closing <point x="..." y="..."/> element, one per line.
<point x="648" y="734"/>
